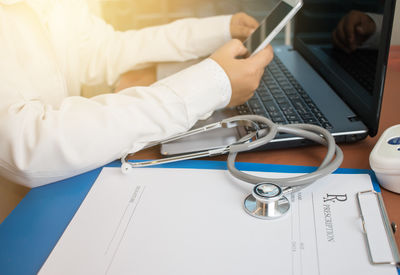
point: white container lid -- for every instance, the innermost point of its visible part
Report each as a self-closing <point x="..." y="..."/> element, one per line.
<point x="385" y="157"/>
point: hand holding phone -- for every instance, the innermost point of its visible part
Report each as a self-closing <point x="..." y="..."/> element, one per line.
<point x="272" y="24"/>
<point x="244" y="74"/>
<point x="242" y="25"/>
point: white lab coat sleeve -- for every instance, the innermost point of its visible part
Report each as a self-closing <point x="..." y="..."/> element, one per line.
<point x="42" y="143"/>
<point x="106" y="53"/>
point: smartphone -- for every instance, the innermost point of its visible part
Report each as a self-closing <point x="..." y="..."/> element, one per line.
<point x="272" y="24"/>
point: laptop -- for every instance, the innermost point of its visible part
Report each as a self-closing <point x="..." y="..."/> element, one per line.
<point x="314" y="81"/>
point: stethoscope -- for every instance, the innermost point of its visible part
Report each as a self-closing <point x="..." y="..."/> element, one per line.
<point x="268" y="200"/>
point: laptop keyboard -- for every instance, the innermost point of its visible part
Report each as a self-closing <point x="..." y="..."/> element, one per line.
<point x="281" y="99"/>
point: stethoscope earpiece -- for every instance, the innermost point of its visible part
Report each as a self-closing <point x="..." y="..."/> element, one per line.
<point x="126" y="168"/>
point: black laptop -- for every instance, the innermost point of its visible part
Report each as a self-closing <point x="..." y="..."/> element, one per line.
<point x="315" y="81"/>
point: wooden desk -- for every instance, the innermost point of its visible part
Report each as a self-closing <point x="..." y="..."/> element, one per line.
<point x="356" y="155"/>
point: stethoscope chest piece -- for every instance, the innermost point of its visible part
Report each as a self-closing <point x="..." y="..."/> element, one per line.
<point x="266" y="202"/>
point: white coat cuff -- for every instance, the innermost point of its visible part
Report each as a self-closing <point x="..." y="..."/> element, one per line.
<point x="219" y="27"/>
<point x="203" y="87"/>
<point x="227" y="27"/>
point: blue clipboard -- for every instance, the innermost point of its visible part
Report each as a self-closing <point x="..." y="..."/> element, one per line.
<point x="30" y="232"/>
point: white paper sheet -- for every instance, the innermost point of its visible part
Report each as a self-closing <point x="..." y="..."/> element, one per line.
<point x="192" y="221"/>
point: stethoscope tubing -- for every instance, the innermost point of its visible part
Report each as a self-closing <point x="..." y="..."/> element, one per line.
<point x="329" y="164"/>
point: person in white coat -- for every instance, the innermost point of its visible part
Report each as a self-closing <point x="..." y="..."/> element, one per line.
<point x="50" y="48"/>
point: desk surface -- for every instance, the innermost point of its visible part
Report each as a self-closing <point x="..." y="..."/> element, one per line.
<point x="356" y="155"/>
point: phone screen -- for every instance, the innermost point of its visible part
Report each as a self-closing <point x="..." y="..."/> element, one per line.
<point x="267" y="25"/>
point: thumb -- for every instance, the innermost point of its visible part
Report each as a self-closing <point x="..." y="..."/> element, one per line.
<point x="235" y="48"/>
<point x="368" y="26"/>
<point x="360" y="30"/>
<point x="263" y="57"/>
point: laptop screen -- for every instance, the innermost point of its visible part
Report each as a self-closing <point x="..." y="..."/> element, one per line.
<point x="347" y="42"/>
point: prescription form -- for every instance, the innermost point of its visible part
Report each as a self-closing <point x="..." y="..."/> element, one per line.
<point x="192" y="221"/>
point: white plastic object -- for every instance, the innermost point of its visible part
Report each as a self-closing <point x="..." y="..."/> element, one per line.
<point x="126" y="168"/>
<point x="385" y="159"/>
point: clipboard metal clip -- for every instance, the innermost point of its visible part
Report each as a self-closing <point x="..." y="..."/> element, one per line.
<point x="370" y="231"/>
